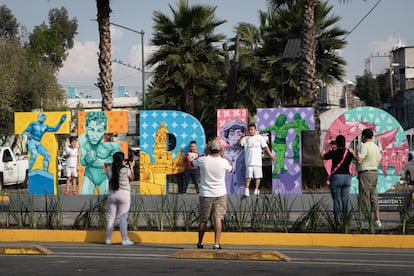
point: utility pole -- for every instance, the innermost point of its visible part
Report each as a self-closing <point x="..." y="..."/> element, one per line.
<point x="144" y="106"/>
<point x="391" y="79"/>
<point x="368" y="61"/>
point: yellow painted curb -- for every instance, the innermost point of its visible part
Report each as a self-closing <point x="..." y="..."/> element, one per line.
<point x="24" y="250"/>
<point x="4" y="198"/>
<point x="229" y="238"/>
<point x="220" y="254"/>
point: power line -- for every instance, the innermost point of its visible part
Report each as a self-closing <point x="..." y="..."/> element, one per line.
<point x="147" y="73"/>
<point x="127" y="64"/>
<point x="363" y="18"/>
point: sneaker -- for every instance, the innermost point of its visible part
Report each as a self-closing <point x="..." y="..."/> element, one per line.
<point x="378" y="223"/>
<point x="200" y="245"/>
<point x="127" y="242"/>
<point x="365" y="225"/>
<point x="67" y="192"/>
<point x="74" y="192"/>
<point x="108" y="241"/>
<point x="256" y="192"/>
<point x="246" y="192"/>
<point x="217" y="246"/>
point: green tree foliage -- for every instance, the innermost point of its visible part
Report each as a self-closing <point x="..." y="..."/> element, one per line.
<point x="265" y="76"/>
<point x="25" y="85"/>
<point x="8" y="24"/>
<point x="250" y="90"/>
<point x="11" y="58"/>
<point x="254" y="74"/>
<point x="187" y="58"/>
<point x="52" y="42"/>
<point x="189" y="68"/>
<point x="384" y="86"/>
<point x="284" y="23"/>
<point x="367" y="89"/>
<point x="27" y="82"/>
<point x="374" y="90"/>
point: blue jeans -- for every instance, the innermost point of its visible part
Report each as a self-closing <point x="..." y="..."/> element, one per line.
<point x="193" y="174"/>
<point x="340" y="187"/>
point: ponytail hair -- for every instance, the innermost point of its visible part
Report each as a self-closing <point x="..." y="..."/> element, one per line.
<point x="117" y="165"/>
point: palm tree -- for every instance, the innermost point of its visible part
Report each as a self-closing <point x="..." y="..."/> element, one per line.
<point x="283" y="24"/>
<point x="187" y="61"/>
<point x="105" y="64"/>
<point x="276" y="77"/>
<point x="307" y="55"/>
<point x="246" y="69"/>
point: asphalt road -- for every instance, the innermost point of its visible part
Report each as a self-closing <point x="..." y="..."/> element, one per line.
<point x="153" y="259"/>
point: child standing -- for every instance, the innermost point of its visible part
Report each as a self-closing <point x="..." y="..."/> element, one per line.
<point x="71" y="154"/>
<point x="190" y="170"/>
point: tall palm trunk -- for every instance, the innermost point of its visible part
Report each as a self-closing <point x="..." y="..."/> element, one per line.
<point x="105" y="65"/>
<point x="234" y="71"/>
<point x="189" y="99"/>
<point x="307" y="75"/>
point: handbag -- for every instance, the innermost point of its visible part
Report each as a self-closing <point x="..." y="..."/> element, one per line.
<point x="328" y="181"/>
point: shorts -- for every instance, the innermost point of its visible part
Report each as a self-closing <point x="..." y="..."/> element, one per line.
<point x="254" y="172"/>
<point x="216" y="206"/>
<point x="71" y="171"/>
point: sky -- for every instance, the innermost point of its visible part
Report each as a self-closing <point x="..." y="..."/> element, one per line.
<point x="374" y="37"/>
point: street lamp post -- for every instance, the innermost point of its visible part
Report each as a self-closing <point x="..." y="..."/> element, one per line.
<point x="142" y="59"/>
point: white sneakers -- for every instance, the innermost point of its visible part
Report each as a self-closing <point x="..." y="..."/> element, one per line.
<point x="377" y="223"/>
<point x="127" y="242"/>
<point x="247" y="192"/>
<point x="124" y="242"/>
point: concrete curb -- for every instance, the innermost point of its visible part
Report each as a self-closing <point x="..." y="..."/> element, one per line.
<point x="24" y="250"/>
<point x="227" y="238"/>
<point x="4" y="199"/>
<point x="247" y="255"/>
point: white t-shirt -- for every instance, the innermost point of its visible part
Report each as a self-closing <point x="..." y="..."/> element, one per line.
<point x="253" y="146"/>
<point x="72" y="159"/>
<point x="212" y="171"/>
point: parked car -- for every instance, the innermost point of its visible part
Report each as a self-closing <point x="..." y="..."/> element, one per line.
<point x="61" y="168"/>
<point x="13" y="168"/>
<point x="409" y="171"/>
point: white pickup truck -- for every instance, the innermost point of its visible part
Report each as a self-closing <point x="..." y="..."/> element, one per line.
<point x="13" y="170"/>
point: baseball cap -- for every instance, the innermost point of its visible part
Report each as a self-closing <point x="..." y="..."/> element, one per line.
<point x="215" y="144"/>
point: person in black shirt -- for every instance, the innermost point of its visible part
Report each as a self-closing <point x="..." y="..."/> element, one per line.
<point x="340" y="177"/>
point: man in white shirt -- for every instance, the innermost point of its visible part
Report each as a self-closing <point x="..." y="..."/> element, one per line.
<point x="71" y="154"/>
<point x="213" y="193"/>
<point x="253" y="146"/>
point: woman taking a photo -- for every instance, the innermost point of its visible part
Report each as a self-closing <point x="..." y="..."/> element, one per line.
<point x="340" y="177"/>
<point x="119" y="198"/>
